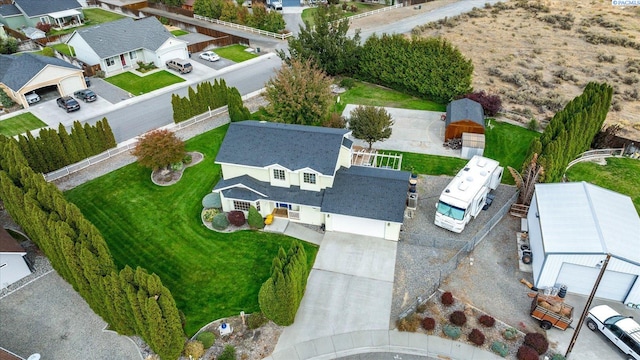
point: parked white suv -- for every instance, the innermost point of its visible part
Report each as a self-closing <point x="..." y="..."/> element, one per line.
<point x="621" y="330"/>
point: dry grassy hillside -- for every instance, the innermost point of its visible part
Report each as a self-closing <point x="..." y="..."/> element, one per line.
<point x="540" y="54"/>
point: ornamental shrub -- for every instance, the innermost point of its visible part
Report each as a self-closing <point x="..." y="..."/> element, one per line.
<point x="510" y="333"/>
<point x="458" y="318"/>
<point x="220" y="222"/>
<point x="209" y="214"/>
<point x="476" y="336"/>
<point x="537" y="342"/>
<point x="452" y="331"/>
<point x="187" y="159"/>
<point x="254" y="219"/>
<point x="487" y="320"/>
<point x="500" y="348"/>
<point x="447" y="299"/>
<point x="236" y="218"/>
<point x="229" y="353"/>
<point x="256" y="320"/>
<point x="409" y="323"/>
<point x="193" y="349"/>
<point x="207" y="339"/>
<point x="558" y="357"/>
<point x="527" y="353"/>
<point x="428" y="323"/>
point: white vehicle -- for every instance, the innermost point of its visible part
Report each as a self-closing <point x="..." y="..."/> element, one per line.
<point x="622" y="330"/>
<point x="209" y="56"/>
<point x="467" y="193"/>
<point x="32" y="97"/>
<point x="275" y="4"/>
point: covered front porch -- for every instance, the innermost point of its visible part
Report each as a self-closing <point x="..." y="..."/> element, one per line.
<point x="66" y="19"/>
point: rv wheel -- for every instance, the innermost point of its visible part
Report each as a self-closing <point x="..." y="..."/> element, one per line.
<point x="545" y="325"/>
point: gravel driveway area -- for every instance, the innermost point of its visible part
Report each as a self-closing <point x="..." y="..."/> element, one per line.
<point x="48" y="317"/>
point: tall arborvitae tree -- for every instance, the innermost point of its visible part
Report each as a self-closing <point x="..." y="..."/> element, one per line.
<point x="571" y="130"/>
<point x="80" y="140"/>
<point x="39" y="162"/>
<point x="69" y="146"/>
<point x="107" y="133"/>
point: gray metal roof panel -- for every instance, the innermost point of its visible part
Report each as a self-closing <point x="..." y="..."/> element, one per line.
<point x="233" y="188"/>
<point x="121" y="36"/>
<point x="9" y="10"/>
<point x="464" y="109"/>
<point x="17" y="70"/>
<point x="261" y="144"/>
<point x="368" y="192"/>
<point x="33" y="8"/>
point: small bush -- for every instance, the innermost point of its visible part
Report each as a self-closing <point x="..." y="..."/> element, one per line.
<point x="510" y="333"/>
<point x="452" y="331"/>
<point x="527" y="353"/>
<point x="491" y="103"/>
<point x="48" y="51"/>
<point x="558" y="357"/>
<point x="537" y="342"/>
<point x="335" y="120"/>
<point x="187" y="159"/>
<point x="220" y="222"/>
<point x="344" y="6"/>
<point x="236" y="218"/>
<point x="194" y="349"/>
<point x="428" y="323"/>
<point x="487" y="320"/>
<point x="229" y="353"/>
<point x="458" y="318"/>
<point x="422" y="308"/>
<point x="254" y="219"/>
<point x="476" y="336"/>
<point x="44" y="27"/>
<point x="256" y="320"/>
<point x="533" y="125"/>
<point x="500" y="348"/>
<point x="209" y="214"/>
<point x="447" y="299"/>
<point x="409" y="323"/>
<point x="207" y="339"/>
<point x="347" y="83"/>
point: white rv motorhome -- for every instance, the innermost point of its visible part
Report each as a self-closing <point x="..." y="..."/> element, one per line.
<point x="466" y="194"/>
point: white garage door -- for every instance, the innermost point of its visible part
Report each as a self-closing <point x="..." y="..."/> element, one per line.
<point x="71" y="84"/>
<point x="580" y="279"/>
<point x="356" y="225"/>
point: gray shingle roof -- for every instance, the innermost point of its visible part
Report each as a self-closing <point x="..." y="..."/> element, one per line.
<point x="34" y="8"/>
<point x="260" y="144"/>
<point x="291" y="195"/>
<point x="9" y="10"/>
<point x="368" y="192"/>
<point x="121" y="36"/>
<point x="17" y="70"/>
<point x="465" y="109"/>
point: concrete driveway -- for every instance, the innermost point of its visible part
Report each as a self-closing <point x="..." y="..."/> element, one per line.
<point x="416" y="131"/>
<point x="349" y="289"/>
<point x="48" y="317"/>
<point x="51" y="114"/>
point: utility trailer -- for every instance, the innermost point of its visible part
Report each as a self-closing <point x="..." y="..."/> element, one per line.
<point x="551" y="312"/>
<point x="466" y="195"/>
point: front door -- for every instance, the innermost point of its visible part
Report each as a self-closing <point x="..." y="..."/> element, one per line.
<point x="123" y="60"/>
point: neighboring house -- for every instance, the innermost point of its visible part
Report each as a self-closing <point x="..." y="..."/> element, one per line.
<point x="118" y="46"/>
<point x="572" y="226"/>
<point x="463" y="116"/>
<point x="13" y="266"/>
<point x="61" y="14"/>
<point x="22" y="74"/>
<point x="188" y="4"/>
<point x="304" y="174"/>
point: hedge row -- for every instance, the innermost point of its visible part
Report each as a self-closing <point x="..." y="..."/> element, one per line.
<point x="207" y="97"/>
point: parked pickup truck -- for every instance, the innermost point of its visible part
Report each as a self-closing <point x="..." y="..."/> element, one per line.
<point x="622" y="330"/>
<point x="551" y="312"/>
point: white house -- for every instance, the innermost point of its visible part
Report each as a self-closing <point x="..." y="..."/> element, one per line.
<point x="13" y="267"/>
<point x="572" y="226"/>
<point x="118" y="46"/>
<point x="304" y="174"/>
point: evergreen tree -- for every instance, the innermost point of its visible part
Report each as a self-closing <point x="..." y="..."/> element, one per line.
<point x="69" y="146"/>
<point x="80" y="140"/>
<point x="109" y="138"/>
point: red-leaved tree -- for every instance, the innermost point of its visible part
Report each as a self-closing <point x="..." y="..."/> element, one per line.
<point x="44" y="27"/>
<point x="159" y="149"/>
<point x="491" y="104"/>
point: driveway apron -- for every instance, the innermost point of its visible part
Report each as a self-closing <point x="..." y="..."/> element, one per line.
<point x="349" y="289"/>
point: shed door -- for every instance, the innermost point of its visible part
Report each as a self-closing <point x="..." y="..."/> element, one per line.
<point x="356" y="225"/>
<point x="580" y="279"/>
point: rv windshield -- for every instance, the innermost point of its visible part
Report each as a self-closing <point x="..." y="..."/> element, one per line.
<point x="450" y="211"/>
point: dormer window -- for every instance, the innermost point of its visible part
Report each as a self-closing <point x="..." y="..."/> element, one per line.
<point x="309" y="178"/>
<point x="278" y="174"/>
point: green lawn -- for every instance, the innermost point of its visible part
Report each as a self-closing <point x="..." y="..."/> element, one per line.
<point x="92" y="17"/>
<point x="65" y="49"/>
<point x="369" y="94"/>
<point x="211" y="275"/>
<point x="620" y="175"/>
<point x="235" y="53"/>
<point x="20" y="124"/>
<point x="179" y="32"/>
<point x="505" y="143"/>
<point x="307" y="14"/>
<point x="138" y="85"/>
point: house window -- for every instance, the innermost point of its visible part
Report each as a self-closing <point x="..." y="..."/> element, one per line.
<point x="44" y="19"/>
<point x="241" y="205"/>
<point x="278" y="174"/>
<point x="258" y="205"/>
<point x="309" y="178"/>
<point x="111" y="61"/>
<point x="133" y="55"/>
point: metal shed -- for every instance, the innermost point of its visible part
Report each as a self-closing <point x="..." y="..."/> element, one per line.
<point x="463" y="116"/>
<point x="572" y="226"/>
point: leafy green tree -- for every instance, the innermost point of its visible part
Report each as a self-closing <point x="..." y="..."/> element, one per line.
<point x="159" y="149"/>
<point x="273" y="22"/>
<point x="254" y="219"/>
<point x="299" y="94"/>
<point x="326" y="43"/>
<point x="237" y="111"/>
<point x="370" y="123"/>
<point x="209" y="8"/>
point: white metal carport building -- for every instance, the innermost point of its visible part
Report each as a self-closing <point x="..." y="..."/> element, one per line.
<point x="572" y="226"/>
